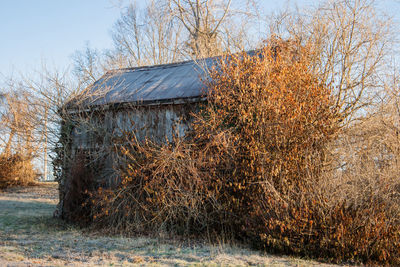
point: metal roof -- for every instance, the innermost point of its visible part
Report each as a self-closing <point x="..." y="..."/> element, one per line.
<point x="151" y="84"/>
<point x="169" y="83"/>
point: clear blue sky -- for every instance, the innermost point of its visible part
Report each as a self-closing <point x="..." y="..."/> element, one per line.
<point x="52" y="30"/>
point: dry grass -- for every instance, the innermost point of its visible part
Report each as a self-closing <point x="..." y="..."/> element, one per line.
<point x="29" y="235"/>
<point x="16" y="170"/>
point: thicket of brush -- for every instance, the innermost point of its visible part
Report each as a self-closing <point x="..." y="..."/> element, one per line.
<point x="16" y="170"/>
<point x="264" y="164"/>
<point x="80" y="182"/>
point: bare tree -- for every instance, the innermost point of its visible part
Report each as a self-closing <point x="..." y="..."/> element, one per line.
<point x="51" y="89"/>
<point x="19" y="121"/>
<point x="202" y="20"/>
<point x="168" y="31"/>
<point x="350" y="41"/>
<point x="146" y="36"/>
<point x="171" y="30"/>
<point x="88" y="65"/>
<point x="216" y="26"/>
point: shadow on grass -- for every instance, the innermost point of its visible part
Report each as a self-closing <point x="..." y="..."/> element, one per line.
<point x="28" y="231"/>
<point x="33" y="216"/>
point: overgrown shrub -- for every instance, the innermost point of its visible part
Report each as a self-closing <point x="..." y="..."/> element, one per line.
<point x="340" y="232"/>
<point x="365" y="188"/>
<point x="266" y="121"/>
<point x="165" y="188"/>
<point x="16" y="169"/>
<point x="280" y="117"/>
<point x="255" y="168"/>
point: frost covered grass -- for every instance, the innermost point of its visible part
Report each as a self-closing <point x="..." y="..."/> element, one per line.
<point x="29" y="235"/>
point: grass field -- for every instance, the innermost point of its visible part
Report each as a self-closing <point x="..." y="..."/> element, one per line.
<point x="29" y="235"/>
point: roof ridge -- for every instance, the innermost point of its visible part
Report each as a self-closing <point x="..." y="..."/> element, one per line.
<point x="173" y="64"/>
<point x="159" y="66"/>
<point x="156" y="66"/>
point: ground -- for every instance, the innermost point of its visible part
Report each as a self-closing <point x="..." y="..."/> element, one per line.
<point x="30" y="236"/>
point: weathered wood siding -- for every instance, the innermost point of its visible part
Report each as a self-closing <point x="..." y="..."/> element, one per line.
<point x="158" y="123"/>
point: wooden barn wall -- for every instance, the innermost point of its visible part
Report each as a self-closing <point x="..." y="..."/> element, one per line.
<point x="158" y="123"/>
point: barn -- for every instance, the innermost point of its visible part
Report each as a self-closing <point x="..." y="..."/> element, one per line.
<point x="155" y="102"/>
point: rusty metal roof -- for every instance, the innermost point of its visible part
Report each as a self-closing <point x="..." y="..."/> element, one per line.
<point x="151" y="84"/>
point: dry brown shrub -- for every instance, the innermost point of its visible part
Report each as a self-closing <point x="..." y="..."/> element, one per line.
<point x="266" y="118"/>
<point x="363" y="191"/>
<point x="278" y="113"/>
<point x="15" y="170"/>
<point x="255" y="167"/>
<point x="352" y="211"/>
<point x="164" y="188"/>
